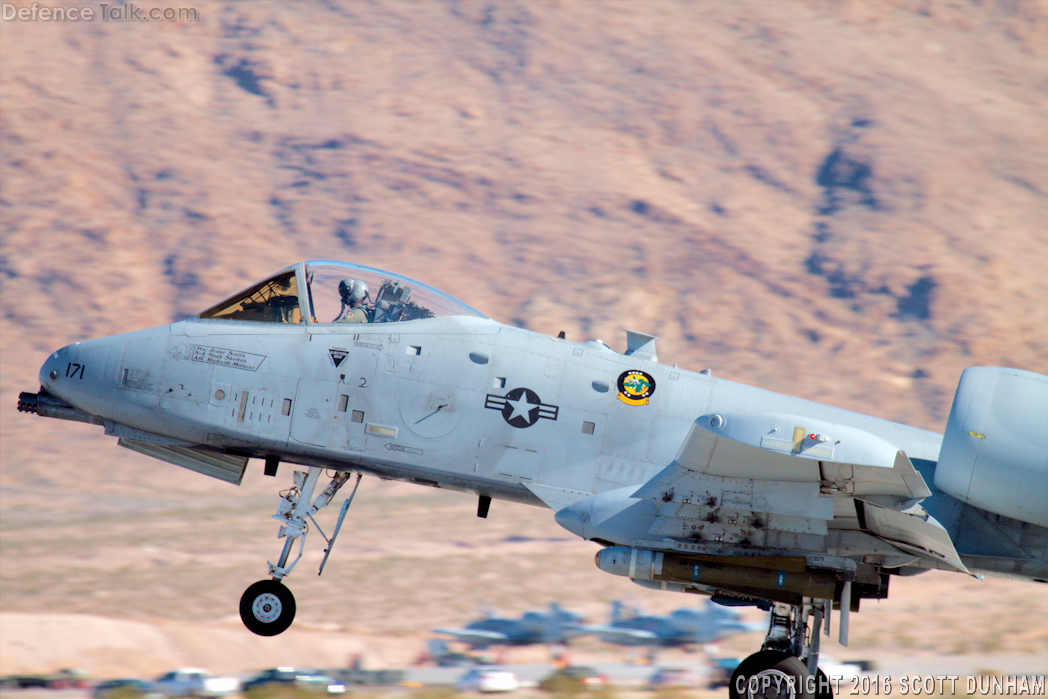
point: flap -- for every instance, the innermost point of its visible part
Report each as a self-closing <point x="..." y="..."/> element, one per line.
<point x="925" y="538"/>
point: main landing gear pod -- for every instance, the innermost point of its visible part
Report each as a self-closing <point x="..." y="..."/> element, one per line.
<point x="267" y="608"/>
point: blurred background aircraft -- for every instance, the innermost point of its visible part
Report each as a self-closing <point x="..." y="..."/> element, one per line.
<point x="687" y="627"/>
<point x="557" y="626"/>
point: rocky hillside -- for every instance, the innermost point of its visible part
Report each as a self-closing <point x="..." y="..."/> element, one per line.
<point x="841" y="200"/>
<point x="845" y="201"/>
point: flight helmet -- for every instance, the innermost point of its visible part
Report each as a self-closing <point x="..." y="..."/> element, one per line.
<point x="352" y="291"/>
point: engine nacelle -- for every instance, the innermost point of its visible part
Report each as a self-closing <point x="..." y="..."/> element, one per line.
<point x="994" y="454"/>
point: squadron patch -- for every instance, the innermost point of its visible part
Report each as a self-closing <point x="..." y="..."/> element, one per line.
<point x="521" y="407"/>
<point x="635" y="387"/>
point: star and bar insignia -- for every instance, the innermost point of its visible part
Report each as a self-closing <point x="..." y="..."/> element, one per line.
<point x="521" y="407"/>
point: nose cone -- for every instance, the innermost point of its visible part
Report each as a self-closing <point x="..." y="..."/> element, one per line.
<point x="56" y="366"/>
<point x="76" y="374"/>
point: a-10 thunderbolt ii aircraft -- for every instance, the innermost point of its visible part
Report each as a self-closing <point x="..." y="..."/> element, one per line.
<point x="682" y="628"/>
<point x="555" y="627"/>
<point x="687" y="482"/>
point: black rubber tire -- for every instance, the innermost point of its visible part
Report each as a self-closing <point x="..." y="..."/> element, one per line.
<point x="823" y="688"/>
<point x="267" y="608"/>
<point x="778" y="675"/>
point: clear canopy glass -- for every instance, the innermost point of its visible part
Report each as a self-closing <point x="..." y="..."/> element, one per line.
<point x="274" y="300"/>
<point x="339" y="292"/>
<point x="389" y="297"/>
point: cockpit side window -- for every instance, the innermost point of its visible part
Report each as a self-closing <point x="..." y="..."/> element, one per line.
<point x="272" y="301"/>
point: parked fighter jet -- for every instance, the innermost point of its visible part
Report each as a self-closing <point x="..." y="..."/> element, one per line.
<point x="684" y="627"/>
<point x="554" y="627"/>
<point x="688" y="482"/>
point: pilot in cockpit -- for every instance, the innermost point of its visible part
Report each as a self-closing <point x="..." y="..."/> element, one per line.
<point x="353" y="292"/>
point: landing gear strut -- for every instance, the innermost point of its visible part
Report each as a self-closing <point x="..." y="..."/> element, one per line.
<point x="786" y="667"/>
<point x="267" y="608"/>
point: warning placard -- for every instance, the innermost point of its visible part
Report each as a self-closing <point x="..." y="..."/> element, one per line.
<point x="225" y="357"/>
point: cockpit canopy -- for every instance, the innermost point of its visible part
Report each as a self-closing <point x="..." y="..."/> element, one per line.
<point x="311" y="290"/>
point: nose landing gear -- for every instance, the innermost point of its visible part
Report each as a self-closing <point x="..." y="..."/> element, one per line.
<point x="267" y="607"/>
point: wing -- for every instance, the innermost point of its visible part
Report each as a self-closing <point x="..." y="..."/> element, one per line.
<point x="476" y="637"/>
<point x="617" y="634"/>
<point x="775" y="483"/>
<point x="774" y="447"/>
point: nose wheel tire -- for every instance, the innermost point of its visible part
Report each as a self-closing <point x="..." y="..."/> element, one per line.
<point x="267" y="608"/>
<point x="771" y="674"/>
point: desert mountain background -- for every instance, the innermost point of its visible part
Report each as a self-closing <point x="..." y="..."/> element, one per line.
<point x="845" y="201"/>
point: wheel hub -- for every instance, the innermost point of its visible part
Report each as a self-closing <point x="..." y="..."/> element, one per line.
<point x="266" y="607"/>
<point x="772" y="684"/>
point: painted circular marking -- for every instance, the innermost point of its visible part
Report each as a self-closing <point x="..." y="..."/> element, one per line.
<point x="522" y="407"/>
<point x="636" y="387"/>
